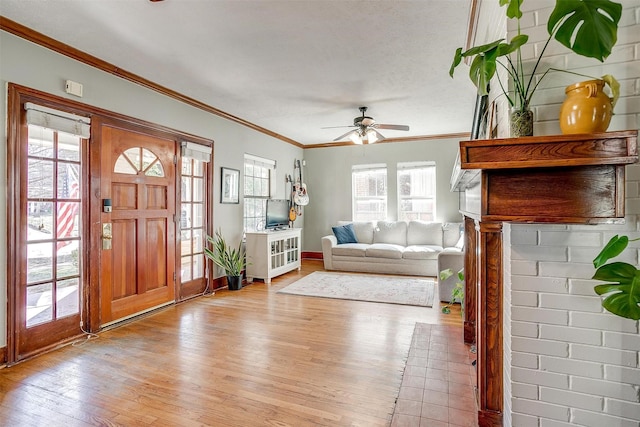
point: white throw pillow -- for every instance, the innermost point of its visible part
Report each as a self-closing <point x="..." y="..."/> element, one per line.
<point x="394" y="232"/>
<point x="424" y="233"/>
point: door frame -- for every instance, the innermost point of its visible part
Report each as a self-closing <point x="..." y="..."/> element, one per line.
<point x="17" y="95"/>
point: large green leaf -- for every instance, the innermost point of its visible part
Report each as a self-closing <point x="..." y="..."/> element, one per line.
<point x="484" y="48"/>
<point x="513" y="8"/>
<point x="457" y="59"/>
<point x="622" y="298"/>
<point x="514" y="44"/>
<point x="587" y="27"/>
<point x="619" y="272"/>
<point x="482" y="69"/>
<point x="612" y="249"/>
<point x="477" y="50"/>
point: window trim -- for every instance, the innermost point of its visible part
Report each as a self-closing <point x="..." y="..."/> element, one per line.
<point x="369" y="168"/>
<point x="268" y="164"/>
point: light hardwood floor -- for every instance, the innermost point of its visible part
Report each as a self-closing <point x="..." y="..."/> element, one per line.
<point x="245" y="358"/>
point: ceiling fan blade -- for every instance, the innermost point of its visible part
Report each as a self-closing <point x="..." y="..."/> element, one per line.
<point x="341" y="137"/>
<point x="336" y="127"/>
<point x="393" y="127"/>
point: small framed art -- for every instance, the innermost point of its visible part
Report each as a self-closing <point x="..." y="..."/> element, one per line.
<point x="230" y="181"/>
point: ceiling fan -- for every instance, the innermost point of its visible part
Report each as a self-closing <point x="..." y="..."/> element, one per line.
<point x="366" y="129"/>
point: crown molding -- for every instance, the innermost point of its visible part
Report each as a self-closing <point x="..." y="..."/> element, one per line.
<point x="40" y="39"/>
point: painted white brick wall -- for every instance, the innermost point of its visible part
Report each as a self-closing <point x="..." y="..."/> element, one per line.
<point x="571" y="362"/>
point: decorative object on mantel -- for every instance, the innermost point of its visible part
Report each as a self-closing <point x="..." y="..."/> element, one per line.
<point x="622" y="293"/>
<point x="587" y="109"/>
<point x="588" y="28"/>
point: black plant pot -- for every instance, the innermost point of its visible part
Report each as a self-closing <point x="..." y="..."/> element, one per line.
<point x="234" y="283"/>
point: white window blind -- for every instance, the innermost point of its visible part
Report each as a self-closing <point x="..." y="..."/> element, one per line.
<point x="196" y="151"/>
<point x="60" y="121"/>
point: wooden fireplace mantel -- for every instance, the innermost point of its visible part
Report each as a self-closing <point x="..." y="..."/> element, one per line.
<point x="560" y="179"/>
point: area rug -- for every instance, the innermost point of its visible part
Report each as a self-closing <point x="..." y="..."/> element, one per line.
<point x="365" y="287"/>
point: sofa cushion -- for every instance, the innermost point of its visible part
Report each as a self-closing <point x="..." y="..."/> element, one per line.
<point x="350" y="249"/>
<point x="424" y="233"/>
<point x="451" y="232"/>
<point x="391" y="232"/>
<point x="421" y="252"/>
<point x="344" y="234"/>
<point x="362" y="229"/>
<point x="385" y="250"/>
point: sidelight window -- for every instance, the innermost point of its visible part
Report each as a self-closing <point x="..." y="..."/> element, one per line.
<point x="54" y="222"/>
<point x="192" y="215"/>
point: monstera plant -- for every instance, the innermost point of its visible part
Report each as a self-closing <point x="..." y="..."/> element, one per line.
<point x="587" y="27"/>
<point x="622" y="293"/>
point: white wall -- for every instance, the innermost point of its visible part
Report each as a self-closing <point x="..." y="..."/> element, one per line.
<point x="572" y="363"/>
<point x="30" y="65"/>
<point x="328" y="176"/>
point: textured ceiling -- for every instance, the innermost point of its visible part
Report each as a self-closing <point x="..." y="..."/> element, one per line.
<point x="292" y="67"/>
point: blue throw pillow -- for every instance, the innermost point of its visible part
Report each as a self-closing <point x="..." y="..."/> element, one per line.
<point x="345" y="234"/>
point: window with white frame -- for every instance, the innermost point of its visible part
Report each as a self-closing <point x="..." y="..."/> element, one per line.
<point x="258" y="173"/>
<point x="369" y="185"/>
<point x="416" y="191"/>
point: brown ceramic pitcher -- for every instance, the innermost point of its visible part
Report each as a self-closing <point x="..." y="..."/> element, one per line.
<point x="586" y="109"/>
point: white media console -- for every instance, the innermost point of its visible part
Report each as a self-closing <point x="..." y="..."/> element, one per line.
<point x="272" y="253"/>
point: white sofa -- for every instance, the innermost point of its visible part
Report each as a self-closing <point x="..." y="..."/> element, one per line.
<point x="394" y="247"/>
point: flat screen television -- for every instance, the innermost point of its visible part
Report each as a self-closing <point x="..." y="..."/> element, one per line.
<point x="277" y="214"/>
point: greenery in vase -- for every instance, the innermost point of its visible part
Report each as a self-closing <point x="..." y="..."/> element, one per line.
<point x="622" y="294"/>
<point x="457" y="293"/>
<point x="587" y="27"/>
<point x="231" y="260"/>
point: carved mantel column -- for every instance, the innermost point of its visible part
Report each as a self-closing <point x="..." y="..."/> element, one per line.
<point x="489" y="327"/>
<point x="470" y="279"/>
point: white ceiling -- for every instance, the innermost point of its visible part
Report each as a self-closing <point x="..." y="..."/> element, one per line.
<point x="292" y="67"/>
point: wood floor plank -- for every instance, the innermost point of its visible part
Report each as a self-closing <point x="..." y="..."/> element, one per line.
<point x="252" y="357"/>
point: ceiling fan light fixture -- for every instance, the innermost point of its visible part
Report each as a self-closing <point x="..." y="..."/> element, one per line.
<point x="366" y="129"/>
<point x="356" y="137"/>
<point x="372" y="136"/>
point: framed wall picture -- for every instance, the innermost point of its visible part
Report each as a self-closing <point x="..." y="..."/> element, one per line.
<point x="230" y="190"/>
<point x="479" y="125"/>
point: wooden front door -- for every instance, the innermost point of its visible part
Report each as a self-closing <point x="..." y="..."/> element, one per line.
<point x="138" y="175"/>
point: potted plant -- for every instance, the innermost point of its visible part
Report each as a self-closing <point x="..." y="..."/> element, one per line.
<point x="587" y="27"/>
<point x="622" y="294"/>
<point x="231" y="260"/>
<point x="457" y="293"/>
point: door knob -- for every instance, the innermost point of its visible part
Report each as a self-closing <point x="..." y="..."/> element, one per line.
<point x="106" y="235"/>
